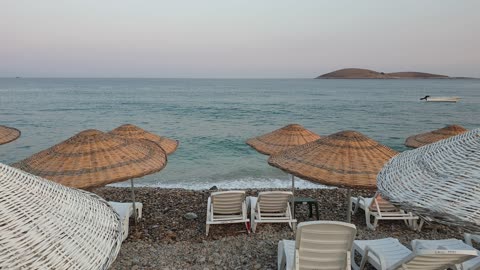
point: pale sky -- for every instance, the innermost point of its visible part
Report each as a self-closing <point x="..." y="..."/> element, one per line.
<point x="236" y="39"/>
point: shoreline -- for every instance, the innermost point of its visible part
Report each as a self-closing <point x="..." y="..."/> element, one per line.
<point x="164" y="239"/>
<point x="252" y="183"/>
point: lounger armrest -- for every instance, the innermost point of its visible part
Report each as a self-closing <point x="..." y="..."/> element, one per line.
<point x="360" y="198"/>
<point x="209" y="209"/>
<point x="470" y="238"/>
<point x="357" y="203"/>
<point x="376" y="253"/>
<point x="364" y="201"/>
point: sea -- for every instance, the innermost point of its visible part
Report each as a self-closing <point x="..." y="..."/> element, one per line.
<point x="212" y="118"/>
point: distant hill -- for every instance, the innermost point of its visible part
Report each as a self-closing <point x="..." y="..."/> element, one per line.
<point x="420" y="75"/>
<point x="359" y="73"/>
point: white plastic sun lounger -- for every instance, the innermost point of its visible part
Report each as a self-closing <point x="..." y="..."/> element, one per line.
<point x="225" y="207"/>
<point x="318" y="245"/>
<point x="473" y="264"/>
<point x="381" y="209"/>
<point x="271" y="207"/>
<point x="390" y="254"/>
<point x="125" y="211"/>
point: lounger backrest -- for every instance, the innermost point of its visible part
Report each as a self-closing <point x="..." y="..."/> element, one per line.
<point x="273" y="201"/>
<point x="379" y="204"/>
<point x="324" y="244"/>
<point x="433" y="259"/>
<point x="227" y="202"/>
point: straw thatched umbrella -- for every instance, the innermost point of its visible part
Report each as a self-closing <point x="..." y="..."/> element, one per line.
<point x="8" y="134"/>
<point x="440" y="181"/>
<point x="422" y="139"/>
<point x="282" y="139"/>
<point x="130" y="131"/>
<point x="346" y="159"/>
<point x="45" y="225"/>
<point x="93" y="158"/>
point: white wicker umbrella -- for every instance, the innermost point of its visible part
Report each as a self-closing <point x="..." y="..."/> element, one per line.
<point x="45" y="225"/>
<point x="440" y="181"/>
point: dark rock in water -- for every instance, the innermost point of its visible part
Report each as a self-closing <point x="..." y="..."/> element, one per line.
<point x="214" y="188"/>
<point x="190" y="216"/>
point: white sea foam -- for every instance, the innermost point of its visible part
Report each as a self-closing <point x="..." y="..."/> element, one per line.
<point x="242" y="183"/>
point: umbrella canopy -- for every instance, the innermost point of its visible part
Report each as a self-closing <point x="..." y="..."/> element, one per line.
<point x="345" y="159"/>
<point x="133" y="132"/>
<point x="49" y="226"/>
<point x="422" y="139"/>
<point x="440" y="181"/>
<point x="8" y="134"/>
<point x="93" y="158"/>
<point x="282" y="139"/>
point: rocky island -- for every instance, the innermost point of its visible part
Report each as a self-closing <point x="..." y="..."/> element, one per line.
<point x="358" y="73"/>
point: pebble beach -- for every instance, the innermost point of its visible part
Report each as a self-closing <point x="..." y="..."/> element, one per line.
<point x="171" y="233"/>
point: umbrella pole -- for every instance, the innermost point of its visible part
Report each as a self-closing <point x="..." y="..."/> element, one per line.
<point x="293" y="197"/>
<point x="133" y="202"/>
<point x="349" y="206"/>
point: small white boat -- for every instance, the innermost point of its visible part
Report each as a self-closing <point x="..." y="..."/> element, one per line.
<point x="440" y="99"/>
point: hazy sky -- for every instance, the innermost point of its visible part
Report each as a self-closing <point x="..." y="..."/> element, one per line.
<point x="228" y="38"/>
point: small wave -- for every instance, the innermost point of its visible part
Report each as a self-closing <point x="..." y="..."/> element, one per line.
<point x="241" y="183"/>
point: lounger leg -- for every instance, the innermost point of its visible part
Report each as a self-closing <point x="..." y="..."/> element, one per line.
<point x="409" y="222"/>
<point x="368" y="220"/>
<point x="364" y="260"/>
<point x="281" y="260"/>
<point x="246" y="227"/>
<point x="207" y="227"/>
<point x="310" y="208"/>
<point x="420" y="224"/>
<point x="354" y="206"/>
<point x="253" y="225"/>
<point x="288" y="213"/>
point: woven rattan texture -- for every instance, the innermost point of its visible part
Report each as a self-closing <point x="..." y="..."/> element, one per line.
<point x="282" y="139"/>
<point x="8" y="134"/>
<point x="344" y="159"/>
<point x="93" y="158"/>
<point x="422" y="139"/>
<point x="133" y="132"/>
<point x="44" y="225"/>
<point x="440" y="180"/>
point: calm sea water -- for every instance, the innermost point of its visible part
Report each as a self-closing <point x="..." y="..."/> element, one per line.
<point x="213" y="118"/>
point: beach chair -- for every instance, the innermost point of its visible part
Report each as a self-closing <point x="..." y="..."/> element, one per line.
<point x="125" y="211"/>
<point x="380" y="209"/>
<point x="225" y="207"/>
<point x="318" y="245"/>
<point x="473" y="264"/>
<point x="271" y="207"/>
<point x="390" y="254"/>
